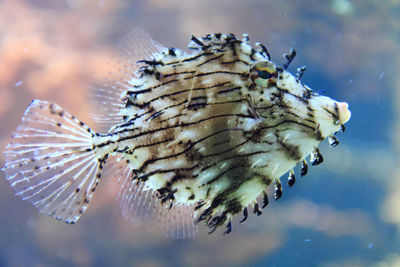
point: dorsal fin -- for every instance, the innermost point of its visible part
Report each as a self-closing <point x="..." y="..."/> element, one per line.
<point x="120" y="72"/>
<point x="140" y="204"/>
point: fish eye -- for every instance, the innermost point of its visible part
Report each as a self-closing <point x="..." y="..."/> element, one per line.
<point x="264" y="74"/>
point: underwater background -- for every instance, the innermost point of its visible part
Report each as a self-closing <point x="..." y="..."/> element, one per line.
<point x="345" y="212"/>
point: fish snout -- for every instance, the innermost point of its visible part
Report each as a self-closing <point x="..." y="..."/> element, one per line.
<point x="344" y="112"/>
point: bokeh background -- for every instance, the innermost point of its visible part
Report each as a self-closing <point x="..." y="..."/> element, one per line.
<point x="345" y="212"/>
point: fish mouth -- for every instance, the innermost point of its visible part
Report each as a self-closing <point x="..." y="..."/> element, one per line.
<point x="344" y="112"/>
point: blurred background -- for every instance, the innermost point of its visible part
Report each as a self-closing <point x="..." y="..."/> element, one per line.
<point x="345" y="212"/>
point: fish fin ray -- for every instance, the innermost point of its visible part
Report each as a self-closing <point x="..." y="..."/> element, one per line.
<point x="141" y="204"/>
<point x="51" y="161"/>
<point x="180" y="221"/>
<point x="120" y="72"/>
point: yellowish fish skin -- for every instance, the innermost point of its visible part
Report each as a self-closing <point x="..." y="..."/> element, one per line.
<point x="210" y="130"/>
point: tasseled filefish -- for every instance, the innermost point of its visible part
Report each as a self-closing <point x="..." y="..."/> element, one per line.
<point x="192" y="137"/>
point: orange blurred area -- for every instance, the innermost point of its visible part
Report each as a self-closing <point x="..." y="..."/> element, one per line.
<point x="41" y="59"/>
<point x="53" y="50"/>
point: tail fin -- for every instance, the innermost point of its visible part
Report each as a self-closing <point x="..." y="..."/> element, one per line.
<point x="51" y="161"/>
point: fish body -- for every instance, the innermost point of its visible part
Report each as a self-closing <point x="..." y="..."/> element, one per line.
<point x="195" y="136"/>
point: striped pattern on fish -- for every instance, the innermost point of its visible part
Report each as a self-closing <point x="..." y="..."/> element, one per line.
<point x="196" y="136"/>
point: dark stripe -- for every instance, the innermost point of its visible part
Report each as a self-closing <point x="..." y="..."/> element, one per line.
<point x="199" y="98"/>
<point x="198" y="101"/>
<point x="234" y="62"/>
<point x="174" y="117"/>
<point x="125" y="128"/>
<point x="221" y="143"/>
<point x="335" y="116"/>
<point x="147" y="112"/>
<point x="210" y="60"/>
<point x="131" y="102"/>
<point x="198" y="42"/>
<point x="227" y="150"/>
<point x="130" y="151"/>
<point x="217" y="72"/>
<point x="151" y="62"/>
<point x="138" y="92"/>
<point x="154" y="115"/>
<point x="265" y="108"/>
<point x="301" y="98"/>
<point x="265" y="52"/>
<point x="178" y="73"/>
<point x="147" y="175"/>
<point x="151" y="88"/>
<point x="196" y="57"/>
<point x="287" y="121"/>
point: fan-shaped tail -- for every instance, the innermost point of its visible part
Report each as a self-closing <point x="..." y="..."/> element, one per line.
<point x="51" y="161"/>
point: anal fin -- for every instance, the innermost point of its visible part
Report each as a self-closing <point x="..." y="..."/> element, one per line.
<point x="140" y="204"/>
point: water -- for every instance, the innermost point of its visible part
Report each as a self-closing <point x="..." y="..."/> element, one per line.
<point x="343" y="213"/>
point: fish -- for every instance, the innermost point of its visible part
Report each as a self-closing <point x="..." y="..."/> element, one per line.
<point x="189" y="137"/>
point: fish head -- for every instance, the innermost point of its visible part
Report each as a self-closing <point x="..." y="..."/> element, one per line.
<point x="291" y="100"/>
